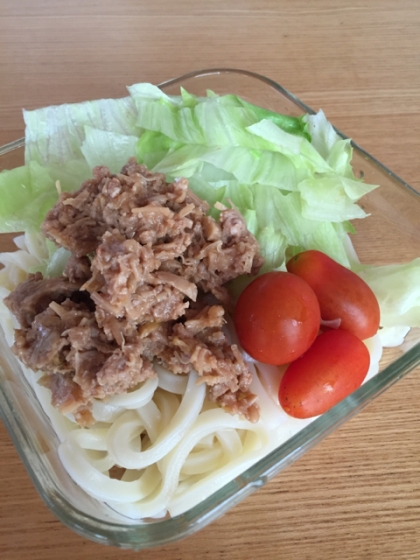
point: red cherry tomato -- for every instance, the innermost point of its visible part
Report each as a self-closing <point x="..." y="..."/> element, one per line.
<point x="277" y="318"/>
<point x="333" y="367"/>
<point x="340" y="292"/>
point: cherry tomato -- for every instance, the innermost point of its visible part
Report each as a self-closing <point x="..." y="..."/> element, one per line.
<point x="340" y="292"/>
<point x="333" y="367"/>
<point x="277" y="318"/>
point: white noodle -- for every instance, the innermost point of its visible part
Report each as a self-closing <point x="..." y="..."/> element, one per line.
<point x="208" y="422"/>
<point x="104" y="412"/>
<point x="93" y="438"/>
<point x="137" y="398"/>
<point x="170" y="382"/>
<point x="172" y="446"/>
<point x="200" y="462"/>
<point x="121" y="431"/>
<point x="168" y="404"/>
<point x="100" y="462"/>
<point x="99" y="485"/>
<point x="271" y="414"/>
<point x="230" y="441"/>
<point x="151" y="417"/>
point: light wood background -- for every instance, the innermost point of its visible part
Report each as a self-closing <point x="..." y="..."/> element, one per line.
<point x="357" y="495"/>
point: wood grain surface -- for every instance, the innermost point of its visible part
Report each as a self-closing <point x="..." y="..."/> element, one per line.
<point x="356" y="496"/>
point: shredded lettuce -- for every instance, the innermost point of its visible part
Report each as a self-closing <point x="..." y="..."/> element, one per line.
<point x="55" y="134"/>
<point x="112" y="147"/>
<point x="26" y="194"/>
<point x="324" y="197"/>
<point x="397" y="289"/>
<point x="290" y="177"/>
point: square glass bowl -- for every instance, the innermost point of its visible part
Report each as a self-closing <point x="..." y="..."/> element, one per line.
<point x="394" y="223"/>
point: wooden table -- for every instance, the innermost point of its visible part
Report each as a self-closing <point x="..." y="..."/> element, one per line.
<point x="357" y="495"/>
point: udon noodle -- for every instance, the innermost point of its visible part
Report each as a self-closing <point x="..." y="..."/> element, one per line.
<point x="163" y="447"/>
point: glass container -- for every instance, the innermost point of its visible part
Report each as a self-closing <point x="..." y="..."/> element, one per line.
<point x="394" y="222"/>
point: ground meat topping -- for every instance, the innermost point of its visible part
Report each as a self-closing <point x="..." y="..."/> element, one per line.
<point x="34" y="295"/>
<point x="144" y="254"/>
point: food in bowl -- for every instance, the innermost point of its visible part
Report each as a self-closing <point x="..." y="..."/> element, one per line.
<point x="165" y="445"/>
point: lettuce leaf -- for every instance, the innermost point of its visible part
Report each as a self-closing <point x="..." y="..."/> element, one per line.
<point x="397" y="289"/>
<point x="26" y="194"/>
<point x="290" y="177"/>
<point x="112" y="147"/>
<point x="55" y="134"/>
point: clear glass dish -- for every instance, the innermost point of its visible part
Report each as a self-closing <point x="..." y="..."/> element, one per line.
<point x="393" y="224"/>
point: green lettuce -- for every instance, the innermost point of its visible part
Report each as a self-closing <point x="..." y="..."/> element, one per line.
<point x="397" y="289"/>
<point x="112" y="147"/>
<point x="26" y="194"/>
<point x="290" y="177"/>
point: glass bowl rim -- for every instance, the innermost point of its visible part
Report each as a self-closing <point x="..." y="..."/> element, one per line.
<point x="146" y="535"/>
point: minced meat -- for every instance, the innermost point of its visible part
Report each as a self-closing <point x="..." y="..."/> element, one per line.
<point x="146" y="256"/>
